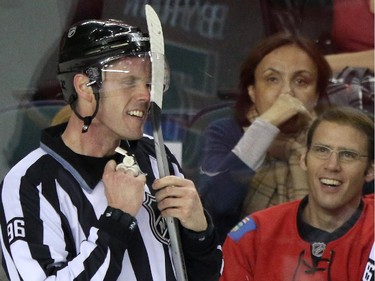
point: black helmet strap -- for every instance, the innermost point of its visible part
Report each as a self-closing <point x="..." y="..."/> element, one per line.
<point x="94" y="74"/>
<point x="87" y="119"/>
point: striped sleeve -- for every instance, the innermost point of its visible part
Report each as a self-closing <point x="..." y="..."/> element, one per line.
<point x="41" y="228"/>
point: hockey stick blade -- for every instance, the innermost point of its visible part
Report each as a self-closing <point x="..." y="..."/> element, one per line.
<point x="157" y="84"/>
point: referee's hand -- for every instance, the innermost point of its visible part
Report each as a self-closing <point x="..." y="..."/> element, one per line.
<point x="124" y="190"/>
<point x="177" y="197"/>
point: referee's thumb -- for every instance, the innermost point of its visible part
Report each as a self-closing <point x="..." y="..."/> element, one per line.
<point x="110" y="166"/>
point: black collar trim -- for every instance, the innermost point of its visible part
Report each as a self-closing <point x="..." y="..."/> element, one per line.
<point x="86" y="170"/>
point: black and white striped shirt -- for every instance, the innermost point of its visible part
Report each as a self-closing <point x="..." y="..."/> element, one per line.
<point x="53" y="227"/>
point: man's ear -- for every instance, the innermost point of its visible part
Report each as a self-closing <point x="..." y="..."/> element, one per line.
<point x="80" y="82"/>
<point x="251" y="92"/>
<point x="370" y="172"/>
<point x="302" y="160"/>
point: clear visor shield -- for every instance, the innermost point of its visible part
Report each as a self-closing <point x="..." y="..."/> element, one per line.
<point x="130" y="73"/>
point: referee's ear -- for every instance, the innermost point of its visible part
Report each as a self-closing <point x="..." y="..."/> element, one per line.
<point x="84" y="91"/>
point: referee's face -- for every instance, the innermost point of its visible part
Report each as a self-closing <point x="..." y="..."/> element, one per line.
<point x="125" y="97"/>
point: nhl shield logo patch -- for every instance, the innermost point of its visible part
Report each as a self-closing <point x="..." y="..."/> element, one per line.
<point x="317" y="249"/>
<point x="157" y="222"/>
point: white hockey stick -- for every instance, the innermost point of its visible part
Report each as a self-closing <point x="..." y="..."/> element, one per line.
<point x="157" y="85"/>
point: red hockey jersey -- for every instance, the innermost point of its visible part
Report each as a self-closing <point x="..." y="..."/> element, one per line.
<point x="267" y="246"/>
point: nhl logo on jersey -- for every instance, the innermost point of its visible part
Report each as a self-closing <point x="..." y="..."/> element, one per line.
<point x="317" y="249"/>
<point x="157" y="222"/>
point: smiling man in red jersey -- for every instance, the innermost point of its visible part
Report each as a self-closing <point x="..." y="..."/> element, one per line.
<point x="329" y="234"/>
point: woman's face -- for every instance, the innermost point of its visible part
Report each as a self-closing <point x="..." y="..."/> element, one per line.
<point x="287" y="69"/>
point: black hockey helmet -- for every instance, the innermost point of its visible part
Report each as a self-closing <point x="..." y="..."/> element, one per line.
<point x="87" y="46"/>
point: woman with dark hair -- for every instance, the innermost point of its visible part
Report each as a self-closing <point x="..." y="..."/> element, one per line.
<point x="250" y="160"/>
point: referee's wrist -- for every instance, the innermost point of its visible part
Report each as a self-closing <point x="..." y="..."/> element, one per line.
<point x="121" y="217"/>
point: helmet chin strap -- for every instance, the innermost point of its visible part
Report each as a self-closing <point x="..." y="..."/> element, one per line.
<point x="87" y="119"/>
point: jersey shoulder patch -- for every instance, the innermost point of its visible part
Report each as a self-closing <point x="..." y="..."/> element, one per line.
<point x="243" y="227"/>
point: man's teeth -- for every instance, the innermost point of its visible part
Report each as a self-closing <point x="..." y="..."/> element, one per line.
<point x="137" y="113"/>
<point x="330" y="182"/>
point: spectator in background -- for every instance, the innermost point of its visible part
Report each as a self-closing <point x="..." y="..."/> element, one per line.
<point x="255" y="154"/>
<point x="353" y="59"/>
<point x="344" y="32"/>
<point x="329" y="234"/>
<point x="346" y="35"/>
<point x="352" y="34"/>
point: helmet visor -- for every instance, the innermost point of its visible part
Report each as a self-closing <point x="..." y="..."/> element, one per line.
<point x="129" y="73"/>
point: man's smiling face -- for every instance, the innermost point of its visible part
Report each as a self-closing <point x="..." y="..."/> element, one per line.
<point x="334" y="183"/>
